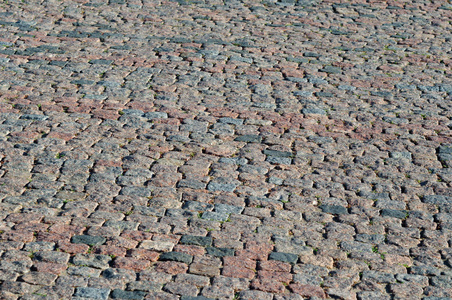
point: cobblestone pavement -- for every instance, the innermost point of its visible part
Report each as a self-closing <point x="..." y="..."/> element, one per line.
<point x="191" y="149"/>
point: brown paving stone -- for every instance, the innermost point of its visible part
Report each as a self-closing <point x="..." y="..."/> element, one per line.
<point x="171" y="267"/>
<point x="238" y="267"/>
<point x="26" y="236"/>
<point x="307" y="290"/>
<point x="131" y="263"/>
<point x="143" y="254"/>
<point x="110" y="250"/>
<point x="190" y="249"/>
<point x="52" y="268"/>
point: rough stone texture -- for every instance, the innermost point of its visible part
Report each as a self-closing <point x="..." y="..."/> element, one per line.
<point x="210" y="149"/>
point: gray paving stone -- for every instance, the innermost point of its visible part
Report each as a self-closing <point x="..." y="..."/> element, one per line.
<point x="203" y="241"/>
<point x="220" y="252"/>
<point x="279" y="160"/>
<point x="84" y="271"/>
<point x="39" y="278"/>
<point x="418" y="279"/>
<point x="34" y="117"/>
<point x="135" y="191"/>
<point x="307" y="110"/>
<point x="39" y="246"/>
<point x="234" y="160"/>
<point x="231" y="121"/>
<point x="333" y="209"/>
<point x="275" y="180"/>
<point x="122" y="274"/>
<point x="92" y="293"/>
<point x="135" y="112"/>
<point x="145" y="286"/>
<point x="249" y="138"/>
<point x="356" y="246"/>
<point x="193" y="184"/>
<point x="424" y="270"/>
<point x="88" y="240"/>
<point x="370" y="238"/>
<point x="91" y="260"/>
<point x="195" y="298"/>
<point x="331" y="69"/>
<point x="367" y="295"/>
<point x="401" y="155"/>
<point x="443" y="281"/>
<point x="215" y="216"/>
<point x="52" y="256"/>
<point x="284" y="257"/>
<point x="277" y="153"/>
<point x="221" y="185"/>
<point x="176" y="256"/>
<point x="399" y="214"/>
<point x="120" y="294"/>
<point x="378" y="277"/>
<point x="437" y="199"/>
<point x="248" y="295"/>
<point x="197" y="206"/>
<point x="227" y="209"/>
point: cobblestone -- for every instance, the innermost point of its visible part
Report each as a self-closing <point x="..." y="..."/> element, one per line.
<point x="210" y="149"/>
<point x="92" y="293"/>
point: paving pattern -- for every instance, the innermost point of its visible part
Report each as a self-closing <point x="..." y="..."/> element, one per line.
<point x="191" y="149"/>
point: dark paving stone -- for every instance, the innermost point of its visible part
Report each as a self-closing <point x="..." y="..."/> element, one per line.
<point x="215" y="216"/>
<point x="378" y="277"/>
<point x="334" y="209"/>
<point x="120" y="294"/>
<point x="34" y="117"/>
<point x="231" y="121"/>
<point x="437" y="199"/>
<point x="399" y="214"/>
<point x="101" y="61"/>
<point x="195" y="298"/>
<point x="249" y="138"/>
<point x="222" y="186"/>
<point x="176" y="256"/>
<point x="279" y="160"/>
<point x="204" y="241"/>
<point x="315" y="111"/>
<point x="284" y="257"/>
<point x="88" y="240"/>
<point x="92" y="293"/>
<point x="220" y="252"/>
<point x="331" y="69"/>
<point x="277" y="153"/>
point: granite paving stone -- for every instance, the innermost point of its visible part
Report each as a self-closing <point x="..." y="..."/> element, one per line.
<point x="120" y="294"/>
<point x="88" y="240"/>
<point x="210" y="149"/>
<point x="176" y="256"/>
<point x="284" y="257"/>
<point x="92" y="293"/>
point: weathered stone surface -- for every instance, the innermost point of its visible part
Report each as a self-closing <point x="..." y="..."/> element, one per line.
<point x="92" y="293"/>
<point x="203" y="241"/>
<point x="334" y="209"/>
<point x="89" y="240"/>
<point x="284" y="257"/>
<point x="220" y="252"/>
<point x="120" y="294"/>
<point x="279" y="150"/>
<point x="176" y="256"/>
